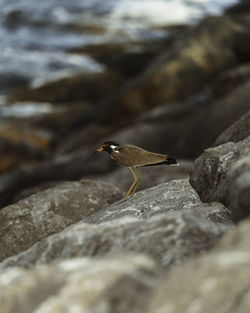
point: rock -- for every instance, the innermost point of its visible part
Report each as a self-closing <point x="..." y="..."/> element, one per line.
<point x="168" y="239"/>
<point x="239" y="189"/>
<point x="21" y="143"/>
<point x="80" y="87"/>
<point x="108" y="285"/>
<point x="50" y="211"/>
<point x="205" y="127"/>
<point x="174" y="196"/>
<point x="188" y="66"/>
<point x="128" y="59"/>
<point x="238" y="131"/>
<point x="230" y="79"/>
<point x="216" y="282"/>
<point x="209" y="176"/>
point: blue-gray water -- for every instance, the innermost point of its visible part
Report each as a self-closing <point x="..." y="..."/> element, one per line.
<point x="35" y="35"/>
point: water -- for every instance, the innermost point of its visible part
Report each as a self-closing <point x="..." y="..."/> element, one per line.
<point x="36" y="35"/>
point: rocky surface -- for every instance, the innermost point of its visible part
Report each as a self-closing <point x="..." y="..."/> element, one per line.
<point x="173" y="213"/>
<point x="174" y="196"/>
<point x="167" y="239"/>
<point x="209" y="176"/>
<point x="239" y="189"/>
<point x="216" y="282"/>
<point x="50" y="211"/>
<point x="79" y="285"/>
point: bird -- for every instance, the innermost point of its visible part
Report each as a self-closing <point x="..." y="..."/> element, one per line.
<point x="135" y="157"/>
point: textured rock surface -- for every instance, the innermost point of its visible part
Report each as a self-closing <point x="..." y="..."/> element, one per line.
<point x="50" y="211"/>
<point x="209" y="176"/>
<point x="79" y="285"/>
<point x="239" y="189"/>
<point x="217" y="282"/>
<point x="167" y="239"/>
<point x="174" y="196"/>
<point x="238" y="131"/>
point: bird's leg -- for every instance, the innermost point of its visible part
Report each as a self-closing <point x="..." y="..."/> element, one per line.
<point x="139" y="178"/>
<point x="132" y="186"/>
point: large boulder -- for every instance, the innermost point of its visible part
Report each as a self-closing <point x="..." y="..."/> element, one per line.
<point x="80" y="285"/>
<point x="174" y="196"/>
<point x="168" y="239"/>
<point x="50" y="211"/>
<point x="209" y="176"/>
<point x="76" y="88"/>
<point x="216" y="282"/>
<point x="184" y="69"/>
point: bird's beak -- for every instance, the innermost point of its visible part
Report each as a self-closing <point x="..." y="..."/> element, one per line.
<point x="100" y="149"/>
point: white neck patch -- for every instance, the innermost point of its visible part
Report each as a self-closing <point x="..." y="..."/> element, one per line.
<point x="114" y="148"/>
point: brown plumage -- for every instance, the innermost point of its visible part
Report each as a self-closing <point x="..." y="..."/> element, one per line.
<point x="135" y="157"/>
<point x="132" y="156"/>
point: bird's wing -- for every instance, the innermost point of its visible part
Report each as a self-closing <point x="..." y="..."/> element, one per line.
<point x="137" y="156"/>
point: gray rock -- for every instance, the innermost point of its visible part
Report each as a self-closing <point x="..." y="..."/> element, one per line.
<point x="167" y="239"/>
<point x="239" y="189"/>
<point x="170" y="197"/>
<point x="50" y="211"/>
<point x="238" y="131"/>
<point x="118" y="285"/>
<point x="209" y="176"/>
<point x="216" y="282"/>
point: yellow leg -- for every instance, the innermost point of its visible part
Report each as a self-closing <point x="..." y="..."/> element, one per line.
<point x="132" y="186"/>
<point x="139" y="178"/>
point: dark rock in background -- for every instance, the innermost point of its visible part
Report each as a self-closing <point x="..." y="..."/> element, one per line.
<point x="80" y="87"/>
<point x="238" y="131"/>
<point x="183" y="70"/>
<point x="20" y="143"/>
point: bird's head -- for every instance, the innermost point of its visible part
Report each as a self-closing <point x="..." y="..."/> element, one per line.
<point x="108" y="146"/>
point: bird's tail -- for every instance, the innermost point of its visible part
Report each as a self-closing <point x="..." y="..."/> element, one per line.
<point x="171" y="161"/>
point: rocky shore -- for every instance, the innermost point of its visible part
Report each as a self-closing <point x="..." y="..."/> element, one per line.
<point x="181" y="245"/>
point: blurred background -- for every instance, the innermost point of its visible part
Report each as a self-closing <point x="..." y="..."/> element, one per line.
<point x="167" y="75"/>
